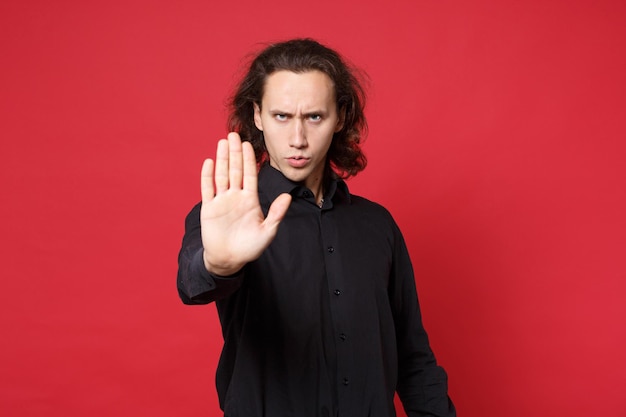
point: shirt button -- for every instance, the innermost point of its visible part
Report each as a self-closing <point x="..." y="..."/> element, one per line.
<point x="337" y="292"/>
<point x="343" y="336"/>
<point x="307" y="194"/>
<point x="346" y="381"/>
<point x="331" y="249"/>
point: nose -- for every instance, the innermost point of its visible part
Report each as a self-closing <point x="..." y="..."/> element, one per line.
<point x="298" y="136"/>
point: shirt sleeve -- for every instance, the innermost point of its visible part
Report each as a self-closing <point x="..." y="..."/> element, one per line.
<point x="422" y="384"/>
<point x="195" y="284"/>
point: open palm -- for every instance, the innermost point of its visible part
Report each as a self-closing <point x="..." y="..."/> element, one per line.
<point x="234" y="230"/>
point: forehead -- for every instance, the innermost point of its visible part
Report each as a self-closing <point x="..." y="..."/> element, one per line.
<point x="309" y="89"/>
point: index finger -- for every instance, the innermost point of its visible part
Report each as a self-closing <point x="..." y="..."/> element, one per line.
<point x="250" y="172"/>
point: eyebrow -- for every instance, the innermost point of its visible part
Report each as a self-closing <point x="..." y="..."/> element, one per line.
<point x="307" y="114"/>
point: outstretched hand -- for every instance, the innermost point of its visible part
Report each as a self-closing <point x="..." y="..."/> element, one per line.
<point x="234" y="230"/>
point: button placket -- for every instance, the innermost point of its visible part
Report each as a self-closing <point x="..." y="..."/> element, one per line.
<point x="330" y="239"/>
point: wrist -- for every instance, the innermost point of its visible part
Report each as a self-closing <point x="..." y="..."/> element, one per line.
<point x="220" y="269"/>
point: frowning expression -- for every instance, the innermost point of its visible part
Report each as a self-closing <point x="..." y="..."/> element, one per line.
<point x="298" y="116"/>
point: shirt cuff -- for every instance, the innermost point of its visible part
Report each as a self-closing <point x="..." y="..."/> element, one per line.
<point x="211" y="282"/>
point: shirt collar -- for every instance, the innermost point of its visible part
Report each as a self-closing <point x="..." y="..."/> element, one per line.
<point x="272" y="183"/>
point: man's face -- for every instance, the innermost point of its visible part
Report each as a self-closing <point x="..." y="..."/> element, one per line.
<point x="298" y="117"/>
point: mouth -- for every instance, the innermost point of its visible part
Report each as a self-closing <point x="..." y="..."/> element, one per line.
<point x="297" y="161"/>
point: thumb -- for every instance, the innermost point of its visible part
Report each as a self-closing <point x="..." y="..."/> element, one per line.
<point x="277" y="210"/>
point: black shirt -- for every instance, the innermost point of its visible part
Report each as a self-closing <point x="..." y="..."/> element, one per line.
<point x="326" y="322"/>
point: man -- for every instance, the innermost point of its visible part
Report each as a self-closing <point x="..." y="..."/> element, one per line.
<point x="313" y="285"/>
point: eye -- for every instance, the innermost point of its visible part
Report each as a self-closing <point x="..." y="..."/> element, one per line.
<point x="315" y="117"/>
<point x="280" y="117"/>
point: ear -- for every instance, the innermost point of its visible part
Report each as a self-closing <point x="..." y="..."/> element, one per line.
<point x="341" y="118"/>
<point x="257" y="117"/>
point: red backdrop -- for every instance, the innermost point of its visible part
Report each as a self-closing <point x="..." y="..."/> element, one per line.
<point x="496" y="139"/>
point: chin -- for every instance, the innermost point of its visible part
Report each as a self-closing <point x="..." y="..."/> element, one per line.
<point x="296" y="175"/>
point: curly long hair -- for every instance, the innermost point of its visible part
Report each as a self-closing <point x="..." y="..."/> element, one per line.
<point x="345" y="157"/>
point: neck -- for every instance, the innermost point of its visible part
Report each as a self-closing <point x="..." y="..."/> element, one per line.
<point x="315" y="183"/>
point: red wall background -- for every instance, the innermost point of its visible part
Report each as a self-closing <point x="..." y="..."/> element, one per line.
<point x="496" y="139"/>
